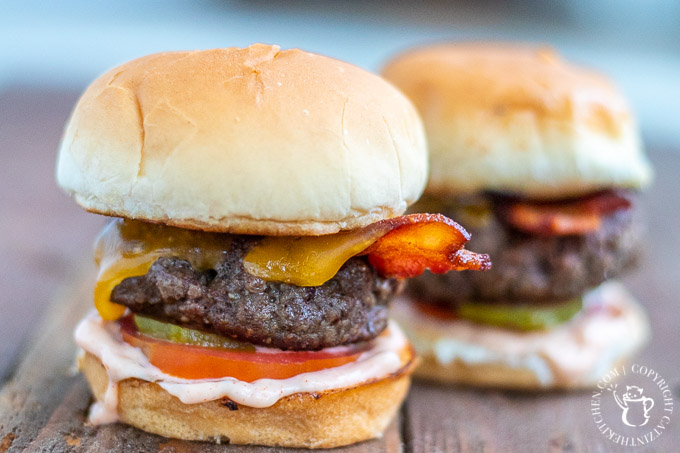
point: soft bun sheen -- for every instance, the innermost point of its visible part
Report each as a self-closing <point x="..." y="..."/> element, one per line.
<point x="574" y="355"/>
<point x="252" y="140"/>
<point x="322" y="420"/>
<point x="519" y="119"/>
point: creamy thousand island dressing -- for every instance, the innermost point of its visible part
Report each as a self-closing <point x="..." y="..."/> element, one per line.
<point x="122" y="361"/>
<point x="581" y="350"/>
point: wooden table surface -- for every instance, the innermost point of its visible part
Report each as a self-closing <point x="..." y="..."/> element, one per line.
<point x="45" y="286"/>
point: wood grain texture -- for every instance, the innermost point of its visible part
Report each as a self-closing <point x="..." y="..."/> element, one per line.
<point x="45" y="245"/>
<point x="43" y="233"/>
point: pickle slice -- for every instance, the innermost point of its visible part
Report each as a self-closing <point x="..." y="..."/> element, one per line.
<point x="521" y="317"/>
<point x="177" y="334"/>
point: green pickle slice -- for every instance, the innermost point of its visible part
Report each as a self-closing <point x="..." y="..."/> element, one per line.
<point x="177" y="334"/>
<point x="521" y="317"/>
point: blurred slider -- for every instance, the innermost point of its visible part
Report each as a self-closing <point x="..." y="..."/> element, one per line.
<point x="542" y="161"/>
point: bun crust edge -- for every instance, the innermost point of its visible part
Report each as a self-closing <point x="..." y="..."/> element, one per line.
<point x="254" y="140"/>
<point x="520" y="119"/>
<point x="304" y="420"/>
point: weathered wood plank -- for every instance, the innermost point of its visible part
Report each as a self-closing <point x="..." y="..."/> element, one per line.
<point x="43" y="233"/>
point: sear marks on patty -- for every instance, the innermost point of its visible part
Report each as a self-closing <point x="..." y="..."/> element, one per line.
<point x="532" y="269"/>
<point x="349" y="308"/>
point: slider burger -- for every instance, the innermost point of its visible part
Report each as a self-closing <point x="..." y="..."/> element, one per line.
<point x="256" y="244"/>
<point x="541" y="160"/>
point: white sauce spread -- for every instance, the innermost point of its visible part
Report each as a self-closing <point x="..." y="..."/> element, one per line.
<point x="123" y="361"/>
<point x="610" y="326"/>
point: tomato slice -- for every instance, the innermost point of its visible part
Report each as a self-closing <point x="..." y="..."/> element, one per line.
<point x="436" y="311"/>
<point x="199" y="362"/>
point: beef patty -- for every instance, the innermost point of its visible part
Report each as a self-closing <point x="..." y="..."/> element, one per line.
<point x="349" y="308"/>
<point x="533" y="269"/>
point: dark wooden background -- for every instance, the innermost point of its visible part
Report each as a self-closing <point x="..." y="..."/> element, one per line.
<point x="46" y="277"/>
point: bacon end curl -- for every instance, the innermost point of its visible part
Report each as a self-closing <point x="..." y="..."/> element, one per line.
<point x="418" y="242"/>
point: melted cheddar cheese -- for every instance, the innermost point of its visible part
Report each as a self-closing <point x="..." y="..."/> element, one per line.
<point x="128" y="248"/>
<point x="307" y="260"/>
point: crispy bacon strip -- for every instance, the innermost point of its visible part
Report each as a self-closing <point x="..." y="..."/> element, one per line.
<point x="418" y="242"/>
<point x="563" y="218"/>
<point x="401" y="247"/>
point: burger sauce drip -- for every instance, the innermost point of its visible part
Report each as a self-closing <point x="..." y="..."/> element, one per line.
<point x="388" y="354"/>
<point x="608" y="328"/>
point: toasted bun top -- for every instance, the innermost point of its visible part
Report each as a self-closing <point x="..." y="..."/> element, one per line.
<point x="255" y="140"/>
<point x="519" y="119"/>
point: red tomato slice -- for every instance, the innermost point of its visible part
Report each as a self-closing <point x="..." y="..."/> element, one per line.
<point x="198" y="362"/>
<point x="446" y="314"/>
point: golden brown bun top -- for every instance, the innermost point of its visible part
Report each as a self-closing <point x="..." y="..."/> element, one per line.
<point x="252" y="140"/>
<point x="519" y="119"/>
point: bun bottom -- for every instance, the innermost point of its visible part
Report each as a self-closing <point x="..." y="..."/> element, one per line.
<point x="308" y="420"/>
<point x="574" y="355"/>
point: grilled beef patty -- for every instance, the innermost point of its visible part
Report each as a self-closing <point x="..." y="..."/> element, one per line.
<point x="349" y="308"/>
<point x="534" y="269"/>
